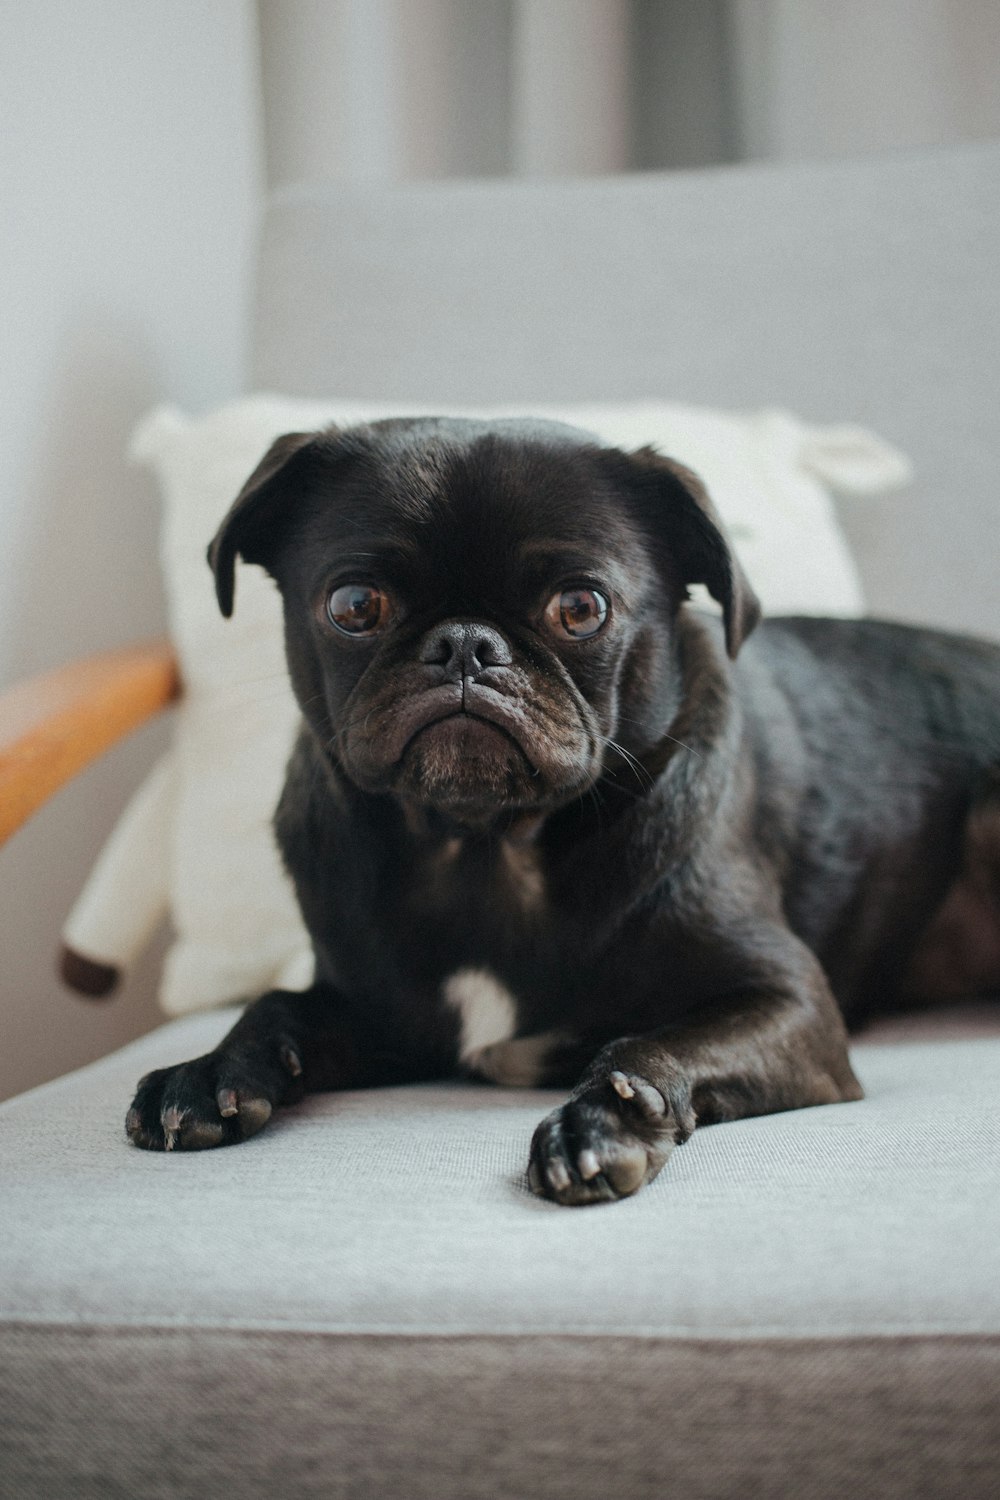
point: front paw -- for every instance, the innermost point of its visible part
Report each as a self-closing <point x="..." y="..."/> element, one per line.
<point x="216" y="1100"/>
<point x="604" y="1143"/>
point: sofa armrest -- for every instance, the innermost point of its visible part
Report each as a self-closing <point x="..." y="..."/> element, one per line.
<point x="53" y="725"/>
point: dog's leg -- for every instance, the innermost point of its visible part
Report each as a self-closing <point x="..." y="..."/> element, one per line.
<point x="760" y="1050"/>
<point x="285" y="1045"/>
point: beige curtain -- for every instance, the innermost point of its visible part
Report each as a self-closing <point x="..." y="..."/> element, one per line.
<point x="396" y="89"/>
<point x="813" y="79"/>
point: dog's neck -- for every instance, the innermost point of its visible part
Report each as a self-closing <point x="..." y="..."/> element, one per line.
<point x="428" y="825"/>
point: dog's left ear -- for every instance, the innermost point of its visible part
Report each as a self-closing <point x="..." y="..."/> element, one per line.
<point x="678" y="508"/>
<point x="255" y="517"/>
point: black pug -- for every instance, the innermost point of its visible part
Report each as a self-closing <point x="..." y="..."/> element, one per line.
<point x="545" y="829"/>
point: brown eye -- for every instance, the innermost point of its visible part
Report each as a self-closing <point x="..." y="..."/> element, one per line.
<point x="358" y="608"/>
<point x="578" y="613"/>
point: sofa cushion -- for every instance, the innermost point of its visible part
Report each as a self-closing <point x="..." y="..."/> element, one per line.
<point x="369" y="1286"/>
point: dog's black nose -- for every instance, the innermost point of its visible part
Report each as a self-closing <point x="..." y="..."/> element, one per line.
<point x="464" y="650"/>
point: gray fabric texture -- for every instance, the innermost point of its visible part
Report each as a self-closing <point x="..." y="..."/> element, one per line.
<point x="365" y="1299"/>
<point x="863" y="291"/>
<point x="406" y="1211"/>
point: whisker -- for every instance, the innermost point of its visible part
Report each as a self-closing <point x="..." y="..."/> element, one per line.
<point x="689" y="748"/>
<point x="638" y="769"/>
<point x="598" y="802"/>
<point x="624" y="719"/>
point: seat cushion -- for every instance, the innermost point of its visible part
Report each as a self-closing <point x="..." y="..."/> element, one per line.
<point x="367" y="1299"/>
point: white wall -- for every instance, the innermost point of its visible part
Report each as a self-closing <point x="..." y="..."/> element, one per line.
<point x="129" y="182"/>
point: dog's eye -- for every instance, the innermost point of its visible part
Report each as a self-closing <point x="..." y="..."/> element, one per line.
<point x="358" y="608"/>
<point x="578" y="613"/>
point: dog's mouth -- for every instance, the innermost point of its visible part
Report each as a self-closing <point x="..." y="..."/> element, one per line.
<point x="476" y="721"/>
<point x="472" y="750"/>
<point x="463" y="760"/>
<point x="470" y="733"/>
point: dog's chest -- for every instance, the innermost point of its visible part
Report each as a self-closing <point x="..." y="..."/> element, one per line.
<point x="475" y="904"/>
<point x="476" y="922"/>
<point x="487" y="1011"/>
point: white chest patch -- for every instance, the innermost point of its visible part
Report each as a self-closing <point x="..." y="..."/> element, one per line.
<point x="487" y="1010"/>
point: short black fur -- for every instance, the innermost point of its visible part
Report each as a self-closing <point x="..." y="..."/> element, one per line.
<point x="677" y="874"/>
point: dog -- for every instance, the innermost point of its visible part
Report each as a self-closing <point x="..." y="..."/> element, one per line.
<point x="550" y="826"/>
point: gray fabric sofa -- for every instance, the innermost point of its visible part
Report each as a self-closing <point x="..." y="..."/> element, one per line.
<point x="366" y="1300"/>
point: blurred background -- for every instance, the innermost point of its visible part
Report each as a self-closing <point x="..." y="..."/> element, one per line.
<point x="138" y="141"/>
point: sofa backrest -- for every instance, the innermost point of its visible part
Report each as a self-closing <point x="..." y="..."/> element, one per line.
<point x="864" y="291"/>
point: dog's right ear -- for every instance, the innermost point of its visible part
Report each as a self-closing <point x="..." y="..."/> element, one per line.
<point x="253" y="523"/>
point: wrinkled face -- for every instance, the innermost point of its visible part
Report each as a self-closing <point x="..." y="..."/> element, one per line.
<point x="475" y="614"/>
<point x="464" y="614"/>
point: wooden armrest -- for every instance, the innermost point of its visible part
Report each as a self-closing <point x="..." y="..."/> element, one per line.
<point x="52" y="726"/>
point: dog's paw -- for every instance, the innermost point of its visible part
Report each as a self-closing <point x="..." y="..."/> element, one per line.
<point x="604" y="1143"/>
<point x="216" y="1100"/>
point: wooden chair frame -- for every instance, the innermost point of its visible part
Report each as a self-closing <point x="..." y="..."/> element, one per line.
<point x="53" y="725"/>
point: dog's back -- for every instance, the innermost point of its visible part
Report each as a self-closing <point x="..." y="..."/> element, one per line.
<point x="897" y="802"/>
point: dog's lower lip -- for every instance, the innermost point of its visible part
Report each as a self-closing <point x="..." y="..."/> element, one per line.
<point x="472" y="718"/>
<point x="480" y="703"/>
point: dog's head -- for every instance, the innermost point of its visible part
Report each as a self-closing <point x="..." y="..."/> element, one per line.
<point x="475" y="611"/>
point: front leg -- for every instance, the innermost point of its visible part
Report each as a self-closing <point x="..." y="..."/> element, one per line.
<point x="284" y="1045"/>
<point x="775" y="1042"/>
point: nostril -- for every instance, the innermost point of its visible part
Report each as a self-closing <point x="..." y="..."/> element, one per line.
<point x="438" y="648"/>
<point x="489" y="649"/>
<point x="465" y="650"/>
